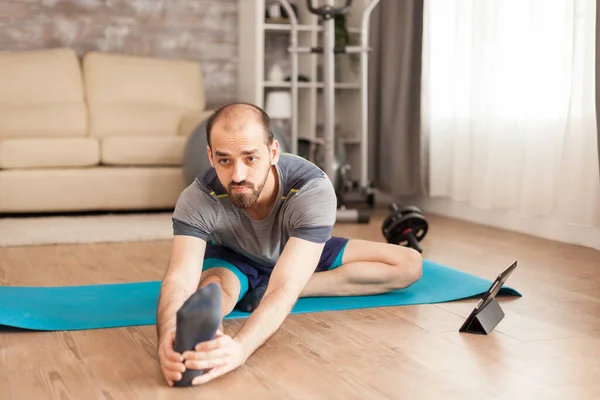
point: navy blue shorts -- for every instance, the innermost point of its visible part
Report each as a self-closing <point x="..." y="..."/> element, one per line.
<point x="251" y="273"/>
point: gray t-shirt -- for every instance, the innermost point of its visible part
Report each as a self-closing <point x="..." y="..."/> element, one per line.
<point x="305" y="208"/>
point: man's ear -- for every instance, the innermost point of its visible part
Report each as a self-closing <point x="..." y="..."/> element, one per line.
<point x="275" y="151"/>
<point x="210" y="159"/>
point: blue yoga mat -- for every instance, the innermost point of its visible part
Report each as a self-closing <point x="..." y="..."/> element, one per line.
<point x="129" y="304"/>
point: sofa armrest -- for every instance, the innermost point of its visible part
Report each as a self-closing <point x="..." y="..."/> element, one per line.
<point x="191" y="120"/>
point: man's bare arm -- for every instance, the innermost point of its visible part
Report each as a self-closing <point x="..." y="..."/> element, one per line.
<point x="180" y="281"/>
<point x="294" y="268"/>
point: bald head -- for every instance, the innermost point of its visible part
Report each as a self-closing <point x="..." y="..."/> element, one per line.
<point x="235" y="117"/>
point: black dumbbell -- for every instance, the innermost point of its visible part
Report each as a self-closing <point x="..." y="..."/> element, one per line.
<point x="405" y="226"/>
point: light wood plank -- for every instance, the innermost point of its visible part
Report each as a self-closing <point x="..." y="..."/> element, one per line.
<point x="589" y="391"/>
<point x="524" y="359"/>
<point x="4" y="382"/>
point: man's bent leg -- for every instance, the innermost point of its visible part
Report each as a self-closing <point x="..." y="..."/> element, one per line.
<point x="233" y="283"/>
<point x="366" y="268"/>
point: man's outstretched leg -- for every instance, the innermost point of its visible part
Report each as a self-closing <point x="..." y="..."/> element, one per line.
<point x="230" y="285"/>
<point x="366" y="268"/>
<point x="220" y="279"/>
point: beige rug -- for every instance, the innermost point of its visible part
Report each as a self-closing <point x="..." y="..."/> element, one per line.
<point x="107" y="228"/>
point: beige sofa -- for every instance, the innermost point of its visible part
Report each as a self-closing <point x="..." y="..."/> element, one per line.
<point x="106" y="132"/>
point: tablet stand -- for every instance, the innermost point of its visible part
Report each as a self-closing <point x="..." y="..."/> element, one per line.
<point x="484" y="321"/>
<point x="487" y="314"/>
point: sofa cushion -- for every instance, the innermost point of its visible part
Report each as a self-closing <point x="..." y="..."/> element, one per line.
<point x="134" y="120"/>
<point x="142" y="150"/>
<point x="190" y="121"/>
<point x="41" y="94"/>
<point x="95" y="188"/>
<point x="132" y="95"/>
<point x="48" y="153"/>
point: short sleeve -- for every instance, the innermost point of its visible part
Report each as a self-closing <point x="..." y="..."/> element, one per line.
<point x="312" y="211"/>
<point x="195" y="213"/>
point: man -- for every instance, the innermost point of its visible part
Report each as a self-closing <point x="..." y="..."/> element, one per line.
<point x="261" y="222"/>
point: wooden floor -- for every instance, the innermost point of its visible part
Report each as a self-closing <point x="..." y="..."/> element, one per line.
<point x="548" y="345"/>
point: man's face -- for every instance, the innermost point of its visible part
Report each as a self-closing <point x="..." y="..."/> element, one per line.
<point x="242" y="159"/>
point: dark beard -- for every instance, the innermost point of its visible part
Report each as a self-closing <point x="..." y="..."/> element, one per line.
<point x="246" y="200"/>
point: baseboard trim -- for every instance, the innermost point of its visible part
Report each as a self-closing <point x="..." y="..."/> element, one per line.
<point x="547" y="228"/>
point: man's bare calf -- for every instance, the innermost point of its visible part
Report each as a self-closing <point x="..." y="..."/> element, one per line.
<point x="368" y="268"/>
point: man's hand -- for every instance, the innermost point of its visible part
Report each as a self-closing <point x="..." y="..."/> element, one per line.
<point x="171" y="362"/>
<point x="219" y="356"/>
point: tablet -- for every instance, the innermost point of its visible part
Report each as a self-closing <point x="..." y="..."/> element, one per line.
<point x="495" y="288"/>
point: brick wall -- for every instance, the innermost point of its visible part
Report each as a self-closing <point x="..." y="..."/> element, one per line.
<point x="202" y="30"/>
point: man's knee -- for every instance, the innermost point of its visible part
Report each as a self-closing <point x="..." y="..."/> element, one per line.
<point x="414" y="264"/>
<point x="223" y="277"/>
<point x="212" y="278"/>
<point x="409" y="267"/>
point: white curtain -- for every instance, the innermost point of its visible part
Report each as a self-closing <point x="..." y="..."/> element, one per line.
<point x="509" y="114"/>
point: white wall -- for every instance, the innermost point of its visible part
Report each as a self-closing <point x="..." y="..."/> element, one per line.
<point x="547" y="228"/>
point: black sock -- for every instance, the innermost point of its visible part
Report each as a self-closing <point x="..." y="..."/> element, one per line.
<point x="253" y="297"/>
<point x="197" y="321"/>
